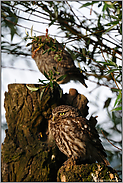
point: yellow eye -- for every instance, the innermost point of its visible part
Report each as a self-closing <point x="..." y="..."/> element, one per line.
<point x="41" y="134"/>
<point x="61" y="113"/>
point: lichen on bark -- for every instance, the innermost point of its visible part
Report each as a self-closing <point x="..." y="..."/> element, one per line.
<point x="95" y="172"/>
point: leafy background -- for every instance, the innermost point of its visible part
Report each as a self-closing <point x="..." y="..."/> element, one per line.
<point x="91" y="32"/>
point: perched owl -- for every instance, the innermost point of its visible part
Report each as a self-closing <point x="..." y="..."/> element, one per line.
<point x="76" y="136"/>
<point x="49" y="54"/>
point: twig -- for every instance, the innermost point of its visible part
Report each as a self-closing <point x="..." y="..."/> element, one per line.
<point x="9" y="67"/>
<point x="110" y="141"/>
<point x="28" y="28"/>
<point x="73" y="11"/>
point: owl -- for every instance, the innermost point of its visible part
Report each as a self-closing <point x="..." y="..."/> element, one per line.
<point x="49" y="54"/>
<point x="76" y="136"/>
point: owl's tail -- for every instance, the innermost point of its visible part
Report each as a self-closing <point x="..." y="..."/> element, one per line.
<point x="81" y="79"/>
<point x="103" y="160"/>
<point x="78" y="75"/>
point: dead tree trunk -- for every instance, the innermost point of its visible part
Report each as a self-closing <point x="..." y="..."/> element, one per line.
<point x="26" y="154"/>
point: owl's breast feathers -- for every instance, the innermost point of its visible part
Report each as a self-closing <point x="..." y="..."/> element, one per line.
<point x="77" y="136"/>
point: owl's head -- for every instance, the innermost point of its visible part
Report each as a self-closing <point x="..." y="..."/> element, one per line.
<point x="64" y="111"/>
<point x="38" y="42"/>
<point x="43" y="42"/>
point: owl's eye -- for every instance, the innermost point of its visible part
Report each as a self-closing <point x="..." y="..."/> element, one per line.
<point x="62" y="113"/>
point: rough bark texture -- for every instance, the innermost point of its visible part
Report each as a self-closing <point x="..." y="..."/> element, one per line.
<point x="95" y="172"/>
<point x="26" y="153"/>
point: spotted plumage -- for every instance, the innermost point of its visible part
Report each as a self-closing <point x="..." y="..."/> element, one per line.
<point x="76" y="136"/>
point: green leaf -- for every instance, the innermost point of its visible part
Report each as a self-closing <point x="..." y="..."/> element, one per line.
<point x="50" y="72"/>
<point x="42" y="92"/>
<point x="100" y="4"/>
<point x="115" y="89"/>
<point x="41" y="81"/>
<point x="110" y="71"/>
<point x="51" y="84"/>
<point x="44" y="52"/>
<point x="61" y="78"/>
<point x="32" y="89"/>
<point x="107" y="102"/>
<point x="56" y="11"/>
<point x="31" y="30"/>
<point x="119" y="99"/>
<point x="26" y="32"/>
<point x="109" y="4"/>
<point x="109" y="29"/>
<point x="45" y="74"/>
<point x="104" y="7"/>
<point x="117" y="109"/>
<point x="49" y="50"/>
<point x="110" y="63"/>
<point x="113" y="23"/>
<point x="55" y="68"/>
<point x="114" y="17"/>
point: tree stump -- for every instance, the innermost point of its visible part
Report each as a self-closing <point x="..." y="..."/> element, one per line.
<point x="95" y="172"/>
<point x="27" y="155"/>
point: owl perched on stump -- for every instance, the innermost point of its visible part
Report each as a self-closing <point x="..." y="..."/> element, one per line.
<point x="49" y="54"/>
<point x="76" y="136"/>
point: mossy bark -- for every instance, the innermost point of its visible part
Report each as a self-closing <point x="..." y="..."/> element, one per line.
<point x="87" y="173"/>
<point x="26" y="154"/>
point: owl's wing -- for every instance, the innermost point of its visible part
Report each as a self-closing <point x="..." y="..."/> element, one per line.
<point x="90" y="132"/>
<point x="91" y="138"/>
